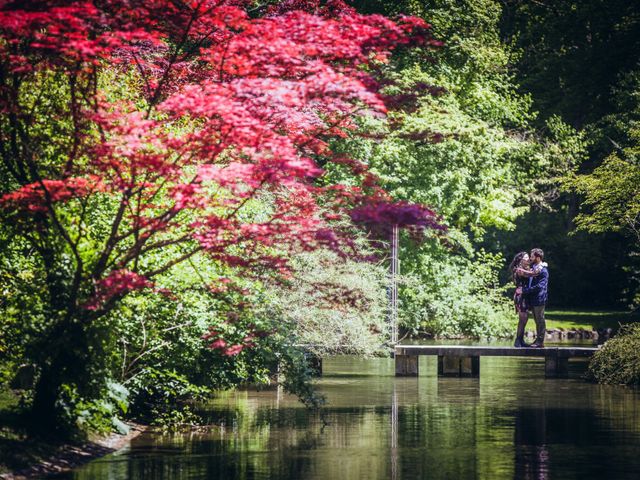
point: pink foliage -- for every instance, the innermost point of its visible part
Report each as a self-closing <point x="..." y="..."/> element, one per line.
<point x="233" y="350"/>
<point x="223" y="346"/>
<point x="118" y="282"/>
<point x="36" y="197"/>
<point x="64" y="32"/>
<point x="230" y="109"/>
<point x="380" y="216"/>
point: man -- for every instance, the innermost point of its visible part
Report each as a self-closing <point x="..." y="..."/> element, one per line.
<point x="536" y="294"/>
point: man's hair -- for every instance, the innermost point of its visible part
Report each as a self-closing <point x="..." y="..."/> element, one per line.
<point x="537" y="252"/>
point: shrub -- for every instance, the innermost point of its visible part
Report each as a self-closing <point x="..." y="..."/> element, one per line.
<point x="82" y="416"/>
<point x="456" y="296"/>
<point x="618" y="362"/>
<point x="161" y="397"/>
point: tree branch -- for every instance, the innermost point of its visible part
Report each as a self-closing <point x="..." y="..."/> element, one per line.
<point x="173" y="262"/>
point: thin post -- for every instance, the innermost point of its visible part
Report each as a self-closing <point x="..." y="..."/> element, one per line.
<point x="393" y="287"/>
<point x="394" y="434"/>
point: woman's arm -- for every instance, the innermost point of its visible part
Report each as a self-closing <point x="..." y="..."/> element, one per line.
<point x="535" y="270"/>
<point x="523" y="272"/>
<point x="541" y="285"/>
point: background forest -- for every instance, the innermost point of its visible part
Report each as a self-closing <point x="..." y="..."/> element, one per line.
<point x="536" y="92"/>
<point x="517" y="125"/>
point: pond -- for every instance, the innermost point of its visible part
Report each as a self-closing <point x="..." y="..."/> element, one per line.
<point x="510" y="423"/>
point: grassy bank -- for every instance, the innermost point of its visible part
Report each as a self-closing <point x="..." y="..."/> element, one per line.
<point x="572" y="319"/>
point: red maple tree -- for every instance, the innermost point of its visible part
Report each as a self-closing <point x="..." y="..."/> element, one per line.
<point x="172" y="118"/>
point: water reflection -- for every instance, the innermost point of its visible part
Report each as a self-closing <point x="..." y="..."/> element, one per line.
<point x="511" y="423"/>
<point x="530" y="437"/>
<point x="394" y="433"/>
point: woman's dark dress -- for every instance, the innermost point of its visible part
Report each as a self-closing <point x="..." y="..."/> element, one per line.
<point x="520" y="301"/>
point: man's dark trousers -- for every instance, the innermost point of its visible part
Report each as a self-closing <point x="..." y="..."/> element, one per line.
<point x="536" y="294"/>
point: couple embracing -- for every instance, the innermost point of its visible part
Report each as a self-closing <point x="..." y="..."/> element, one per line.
<point x="531" y="277"/>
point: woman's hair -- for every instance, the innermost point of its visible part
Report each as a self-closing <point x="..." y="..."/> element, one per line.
<point x="515" y="263"/>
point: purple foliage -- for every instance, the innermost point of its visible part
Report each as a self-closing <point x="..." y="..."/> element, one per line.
<point x="380" y="217"/>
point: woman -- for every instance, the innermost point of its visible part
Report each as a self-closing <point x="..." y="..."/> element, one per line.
<point x="521" y="272"/>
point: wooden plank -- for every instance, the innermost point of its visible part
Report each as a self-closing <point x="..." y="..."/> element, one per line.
<point x="477" y="351"/>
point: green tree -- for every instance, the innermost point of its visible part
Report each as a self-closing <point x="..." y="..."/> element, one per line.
<point x="611" y="195"/>
<point x="333" y="305"/>
<point x="576" y="61"/>
<point x="470" y="151"/>
<point x="572" y="53"/>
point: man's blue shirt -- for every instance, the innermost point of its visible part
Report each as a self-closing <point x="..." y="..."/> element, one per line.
<point x="536" y="292"/>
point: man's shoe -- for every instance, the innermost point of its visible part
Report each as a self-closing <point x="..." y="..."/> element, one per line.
<point x="536" y="345"/>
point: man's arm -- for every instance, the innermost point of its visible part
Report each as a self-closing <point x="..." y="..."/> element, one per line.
<point x="544" y="279"/>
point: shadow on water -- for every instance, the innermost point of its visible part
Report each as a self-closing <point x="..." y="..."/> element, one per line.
<point x="509" y="424"/>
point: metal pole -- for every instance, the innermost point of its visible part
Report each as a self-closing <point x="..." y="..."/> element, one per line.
<point x="394" y="434"/>
<point x="395" y="270"/>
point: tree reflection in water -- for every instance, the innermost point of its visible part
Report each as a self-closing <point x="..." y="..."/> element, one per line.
<point x="509" y="424"/>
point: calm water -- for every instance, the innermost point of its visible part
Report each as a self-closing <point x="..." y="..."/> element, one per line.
<point x="511" y="423"/>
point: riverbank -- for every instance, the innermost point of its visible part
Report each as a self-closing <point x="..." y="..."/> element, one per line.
<point x="589" y="320"/>
<point x="41" y="458"/>
<point x="24" y="457"/>
<point x="600" y="326"/>
<point x="562" y="325"/>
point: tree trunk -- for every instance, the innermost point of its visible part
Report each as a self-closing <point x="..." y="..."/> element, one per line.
<point x="67" y="361"/>
<point x="46" y="415"/>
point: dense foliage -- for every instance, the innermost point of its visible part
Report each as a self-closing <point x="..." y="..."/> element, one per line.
<point x="193" y="195"/>
<point x="579" y="60"/>
<point x="611" y="192"/>
<point x="139" y="137"/>
<point x="618" y="362"/>
<point x="472" y="153"/>
<point x="334" y="306"/>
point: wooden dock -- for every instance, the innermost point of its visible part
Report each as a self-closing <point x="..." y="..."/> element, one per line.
<point x="464" y="361"/>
